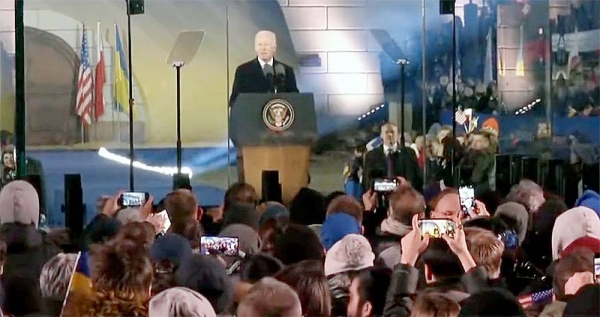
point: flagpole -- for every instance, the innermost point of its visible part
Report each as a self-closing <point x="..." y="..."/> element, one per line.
<point x="81" y="118"/>
<point x="94" y="114"/>
<point x="116" y="114"/>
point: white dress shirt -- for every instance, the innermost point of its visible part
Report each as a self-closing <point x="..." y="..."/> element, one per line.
<point x="263" y="63"/>
<point x="387" y="149"/>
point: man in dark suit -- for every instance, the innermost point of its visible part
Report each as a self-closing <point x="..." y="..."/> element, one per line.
<point x="391" y="160"/>
<point x="264" y="73"/>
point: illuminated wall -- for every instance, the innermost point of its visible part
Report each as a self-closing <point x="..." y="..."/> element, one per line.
<point x="7" y="93"/>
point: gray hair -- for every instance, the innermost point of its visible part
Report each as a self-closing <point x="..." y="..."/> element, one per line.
<point x="522" y="192"/>
<point x="56" y="274"/>
<point x="127" y="215"/>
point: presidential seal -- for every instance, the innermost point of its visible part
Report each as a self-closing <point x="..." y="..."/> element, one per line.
<point x="278" y="115"/>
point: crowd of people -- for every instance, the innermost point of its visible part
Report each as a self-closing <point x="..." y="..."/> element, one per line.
<point x="322" y="255"/>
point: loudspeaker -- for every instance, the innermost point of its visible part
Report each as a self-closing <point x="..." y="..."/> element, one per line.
<point x="74" y="208"/>
<point x="136" y="7"/>
<point x="507" y="172"/>
<point x="591" y="177"/>
<point x="447" y="6"/>
<point x="181" y="181"/>
<point x="529" y="169"/>
<point x="271" y="189"/>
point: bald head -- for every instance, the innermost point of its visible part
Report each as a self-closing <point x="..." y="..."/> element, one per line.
<point x="265" y="45"/>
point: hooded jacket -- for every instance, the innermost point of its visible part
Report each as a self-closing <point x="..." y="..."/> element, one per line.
<point x="27" y="248"/>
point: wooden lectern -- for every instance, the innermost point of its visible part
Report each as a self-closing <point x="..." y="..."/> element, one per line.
<point x="275" y="132"/>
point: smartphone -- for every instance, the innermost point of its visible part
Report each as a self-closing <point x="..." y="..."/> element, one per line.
<point x="165" y="215"/>
<point x="467" y="199"/>
<point x="133" y="199"/>
<point x="211" y="245"/>
<point x="435" y="228"/>
<point x="385" y="185"/>
<point x="597" y="266"/>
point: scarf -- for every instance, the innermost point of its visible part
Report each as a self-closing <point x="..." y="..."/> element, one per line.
<point x="395" y="227"/>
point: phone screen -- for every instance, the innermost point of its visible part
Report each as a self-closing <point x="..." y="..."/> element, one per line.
<point x="385" y="185"/>
<point x="597" y="266"/>
<point x="435" y="228"/>
<point x="167" y="224"/>
<point x="467" y="199"/>
<point x="210" y="245"/>
<point x="133" y="199"/>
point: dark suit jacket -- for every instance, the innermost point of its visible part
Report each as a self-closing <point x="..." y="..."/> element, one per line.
<point x="249" y="78"/>
<point x="405" y="165"/>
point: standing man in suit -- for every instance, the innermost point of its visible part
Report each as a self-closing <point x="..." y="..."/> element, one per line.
<point x="390" y="160"/>
<point x="263" y="74"/>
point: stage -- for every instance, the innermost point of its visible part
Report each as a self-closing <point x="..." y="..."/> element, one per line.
<point x="105" y="171"/>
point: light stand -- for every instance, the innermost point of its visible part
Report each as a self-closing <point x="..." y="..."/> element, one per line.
<point x="131" y="101"/>
<point x="402" y="62"/>
<point x="178" y="66"/>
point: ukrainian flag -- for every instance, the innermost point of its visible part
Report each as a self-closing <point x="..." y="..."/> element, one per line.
<point x="80" y="282"/>
<point x="121" y="76"/>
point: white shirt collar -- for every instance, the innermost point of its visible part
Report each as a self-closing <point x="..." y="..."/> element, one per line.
<point x="386" y="149"/>
<point x="262" y="63"/>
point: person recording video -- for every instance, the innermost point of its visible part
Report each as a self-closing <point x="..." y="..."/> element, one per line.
<point x="391" y="159"/>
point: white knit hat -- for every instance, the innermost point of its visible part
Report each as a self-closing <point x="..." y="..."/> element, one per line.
<point x="352" y="253"/>
<point x="19" y="203"/>
<point x="573" y="224"/>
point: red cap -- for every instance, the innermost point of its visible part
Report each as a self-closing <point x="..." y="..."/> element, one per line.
<point x="590" y="243"/>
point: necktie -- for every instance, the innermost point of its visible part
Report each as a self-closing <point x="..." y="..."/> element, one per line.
<point x="389" y="162"/>
<point x="268" y="70"/>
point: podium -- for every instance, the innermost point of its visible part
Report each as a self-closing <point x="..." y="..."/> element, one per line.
<point x="275" y="132"/>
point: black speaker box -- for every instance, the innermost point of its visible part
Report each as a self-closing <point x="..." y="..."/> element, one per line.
<point x="74" y="208"/>
<point x="447" y="6"/>
<point x="136" y="7"/>
<point x="181" y="181"/>
<point x="271" y="189"/>
<point x="529" y="169"/>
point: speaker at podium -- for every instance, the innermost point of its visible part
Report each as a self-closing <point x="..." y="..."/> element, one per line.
<point x="275" y="132"/>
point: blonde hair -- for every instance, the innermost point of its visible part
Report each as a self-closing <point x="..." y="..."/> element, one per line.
<point x="486" y="249"/>
<point x="432" y="304"/>
<point x="269" y="297"/>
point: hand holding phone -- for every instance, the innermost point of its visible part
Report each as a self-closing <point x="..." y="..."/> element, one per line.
<point x="384" y="185"/>
<point x="436" y="228"/>
<point x="133" y="199"/>
<point x="166" y="221"/>
<point x="229" y="246"/>
<point x="467" y="200"/>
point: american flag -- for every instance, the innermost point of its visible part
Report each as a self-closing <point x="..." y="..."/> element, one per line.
<point x="461" y="117"/>
<point x="84" y="103"/>
<point x="535" y="298"/>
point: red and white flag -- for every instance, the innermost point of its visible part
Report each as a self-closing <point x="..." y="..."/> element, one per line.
<point x="83" y="103"/>
<point x="100" y="79"/>
<point x="460" y="117"/>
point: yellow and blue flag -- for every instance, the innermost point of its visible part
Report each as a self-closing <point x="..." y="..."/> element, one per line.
<point x="121" y="76"/>
<point x="81" y="281"/>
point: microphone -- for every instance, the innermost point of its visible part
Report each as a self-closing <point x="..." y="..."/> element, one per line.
<point x="268" y="71"/>
<point x="279" y="70"/>
<point x="279" y="76"/>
